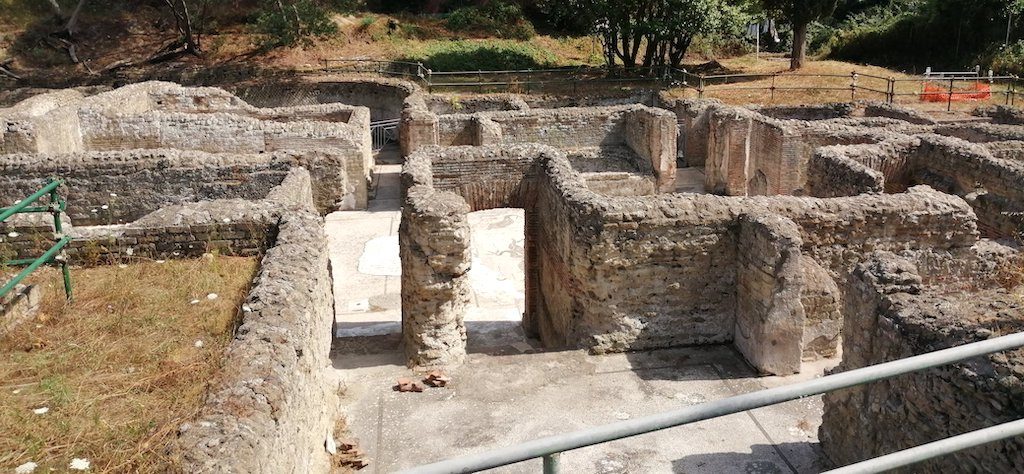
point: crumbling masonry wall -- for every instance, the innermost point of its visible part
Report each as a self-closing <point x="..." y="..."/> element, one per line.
<point x="769" y="281"/>
<point x="276" y="401"/>
<point x="332" y="141"/>
<point x="989" y="183"/>
<point x="891" y="312"/>
<point x="600" y="256"/>
<point x="648" y="133"/>
<point x="441" y="185"/>
<point x="626" y="273"/>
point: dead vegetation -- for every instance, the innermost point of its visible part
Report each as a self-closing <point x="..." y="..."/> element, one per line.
<point x="121" y="367"/>
<point x="792" y="87"/>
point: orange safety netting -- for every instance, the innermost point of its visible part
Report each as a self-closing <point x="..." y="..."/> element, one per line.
<point x="938" y="93"/>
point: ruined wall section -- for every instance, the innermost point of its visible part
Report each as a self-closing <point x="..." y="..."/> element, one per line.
<point x="893" y="111"/>
<point x="120" y="186"/>
<point x="434" y="244"/>
<point x="384" y="97"/>
<point x="601" y="269"/>
<point x="992" y="186"/>
<point x="807" y="112"/>
<point x="1002" y="114"/>
<point x="486" y="177"/>
<point x="750" y="153"/>
<point x="564" y="128"/>
<point x="692" y="119"/>
<point x="277" y="400"/>
<point x="651" y="134"/>
<point x="890" y="314"/>
<point x="130" y="118"/>
<point x="832" y="173"/>
<point x="982" y="132"/>
<point x="45" y="123"/>
<point x="443" y="104"/>
<point x="770" y="318"/>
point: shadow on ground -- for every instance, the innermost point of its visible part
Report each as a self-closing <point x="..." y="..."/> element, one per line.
<point x="763" y="459"/>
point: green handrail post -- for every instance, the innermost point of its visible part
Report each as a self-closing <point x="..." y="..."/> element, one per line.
<point x="46" y="258"/>
<point x="55" y="207"/>
<point x="7" y="212"/>
<point x="551" y="463"/>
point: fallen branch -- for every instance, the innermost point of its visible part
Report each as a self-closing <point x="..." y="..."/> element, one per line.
<point x="7" y="72"/>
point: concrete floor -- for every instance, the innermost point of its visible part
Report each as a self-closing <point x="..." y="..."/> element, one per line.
<point x="510" y="390"/>
<point x="501" y="397"/>
<point x="363" y="246"/>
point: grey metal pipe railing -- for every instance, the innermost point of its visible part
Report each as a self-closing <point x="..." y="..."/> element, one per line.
<point x="934" y="449"/>
<point x="551" y="445"/>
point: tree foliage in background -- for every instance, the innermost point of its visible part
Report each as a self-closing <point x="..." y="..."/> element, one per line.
<point x="917" y="33"/>
<point x="289" y="22"/>
<point x="649" y="33"/>
<point x="496" y="18"/>
<point x="800" y="14"/>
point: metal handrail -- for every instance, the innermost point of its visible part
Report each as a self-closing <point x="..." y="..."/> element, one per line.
<point x="56" y="207"/>
<point x="934" y="449"/>
<point x="550" y="447"/>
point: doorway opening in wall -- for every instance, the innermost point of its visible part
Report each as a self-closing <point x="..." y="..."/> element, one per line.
<point x="495" y="313"/>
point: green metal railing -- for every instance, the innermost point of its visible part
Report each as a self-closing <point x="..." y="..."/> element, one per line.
<point x="55" y="207"/>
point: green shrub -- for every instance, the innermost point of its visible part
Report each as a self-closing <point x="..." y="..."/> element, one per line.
<point x="1009" y="59"/>
<point x="288" y="22"/>
<point x="496" y="18"/>
<point x="493" y="55"/>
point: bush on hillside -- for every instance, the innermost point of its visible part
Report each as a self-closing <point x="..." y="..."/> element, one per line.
<point x="289" y="22"/>
<point x="496" y="18"/>
<point x="483" y="56"/>
<point x="1009" y="59"/>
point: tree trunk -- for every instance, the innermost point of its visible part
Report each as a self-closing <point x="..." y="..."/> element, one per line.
<point x="72" y="25"/>
<point x="799" y="46"/>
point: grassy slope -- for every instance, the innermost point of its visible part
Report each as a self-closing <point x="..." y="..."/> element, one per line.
<point x="118" y="368"/>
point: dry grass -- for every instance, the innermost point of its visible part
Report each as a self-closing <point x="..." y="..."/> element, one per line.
<point x="769" y="64"/>
<point x="118" y="368"/>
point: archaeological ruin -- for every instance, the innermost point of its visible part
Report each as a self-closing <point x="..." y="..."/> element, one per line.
<point x="856" y="233"/>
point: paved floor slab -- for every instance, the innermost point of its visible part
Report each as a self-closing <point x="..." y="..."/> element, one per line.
<point x="501" y="397"/>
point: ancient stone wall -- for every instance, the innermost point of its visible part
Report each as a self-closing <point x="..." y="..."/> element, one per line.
<point x="692" y="117"/>
<point x="434" y="244"/>
<point x="890" y="313"/>
<point x="337" y="152"/>
<point x="443" y="104"/>
<point x="982" y="132"/>
<point x="228" y="226"/>
<point x="893" y="111"/>
<point x="769" y="281"/>
<point x="121" y="186"/>
<point x="831" y="173"/>
<point x="749" y="153"/>
<point x="1002" y="114"/>
<point x="566" y="128"/>
<point x="992" y="186"/>
<point x="276" y="402"/>
<point x="611" y="250"/>
<point x="807" y="112"/>
<point x="486" y="177"/>
<point x="384" y="97"/>
<point x="651" y="134"/>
